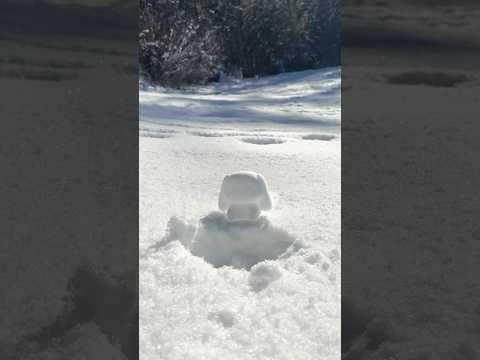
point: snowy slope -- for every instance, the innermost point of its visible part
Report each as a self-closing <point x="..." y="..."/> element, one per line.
<point x="307" y="97"/>
<point x="286" y="128"/>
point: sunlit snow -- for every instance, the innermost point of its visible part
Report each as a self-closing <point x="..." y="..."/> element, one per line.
<point x="260" y="282"/>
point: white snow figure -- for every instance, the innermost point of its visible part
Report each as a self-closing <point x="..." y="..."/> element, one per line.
<point x="241" y="238"/>
<point x="243" y="195"/>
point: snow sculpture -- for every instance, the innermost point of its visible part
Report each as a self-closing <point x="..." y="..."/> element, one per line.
<point x="244" y="195"/>
<point x="237" y="235"/>
<point x="240" y="244"/>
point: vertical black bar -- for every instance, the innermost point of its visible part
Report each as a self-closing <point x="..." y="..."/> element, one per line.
<point x="410" y="204"/>
<point x="69" y="180"/>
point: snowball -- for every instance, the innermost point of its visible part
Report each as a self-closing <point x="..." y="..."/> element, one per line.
<point x="243" y="212"/>
<point x="84" y="341"/>
<point x="246" y="193"/>
<point x="262" y="275"/>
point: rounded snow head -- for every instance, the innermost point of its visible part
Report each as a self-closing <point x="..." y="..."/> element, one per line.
<point x="243" y="195"/>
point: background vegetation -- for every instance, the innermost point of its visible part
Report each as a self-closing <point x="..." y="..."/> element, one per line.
<point x="194" y="41"/>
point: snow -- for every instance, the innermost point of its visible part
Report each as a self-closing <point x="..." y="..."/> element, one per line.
<point x="42" y="250"/>
<point x="414" y="174"/>
<point x="241" y="190"/>
<point x="262" y="275"/>
<point x="266" y="288"/>
<point x="240" y="244"/>
<point x="84" y="341"/>
<point x="306" y="97"/>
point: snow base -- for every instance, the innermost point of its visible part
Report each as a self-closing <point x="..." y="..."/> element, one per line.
<point x="240" y="244"/>
<point x="284" y="309"/>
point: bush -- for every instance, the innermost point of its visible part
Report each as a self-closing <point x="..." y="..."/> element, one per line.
<point x="191" y="42"/>
<point x="175" y="50"/>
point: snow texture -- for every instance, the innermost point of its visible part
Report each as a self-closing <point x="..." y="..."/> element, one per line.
<point x="262" y="140"/>
<point x="241" y="244"/>
<point x="259" y="288"/>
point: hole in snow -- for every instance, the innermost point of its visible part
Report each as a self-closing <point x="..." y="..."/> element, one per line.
<point x="321" y="137"/>
<point x="262" y="140"/>
<point x="427" y="78"/>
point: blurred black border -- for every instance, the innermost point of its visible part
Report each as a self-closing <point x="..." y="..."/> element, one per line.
<point x="410" y="179"/>
<point x="410" y="175"/>
<point x="69" y="183"/>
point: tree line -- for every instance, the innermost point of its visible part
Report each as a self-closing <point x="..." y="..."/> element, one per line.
<point x="194" y="41"/>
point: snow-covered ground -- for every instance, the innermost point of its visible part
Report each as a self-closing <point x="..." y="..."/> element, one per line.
<point x="287" y="128"/>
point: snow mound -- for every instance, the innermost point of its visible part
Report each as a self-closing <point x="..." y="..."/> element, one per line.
<point x="262" y="275"/>
<point x="240" y="244"/>
<point x="214" y="134"/>
<point x="191" y="310"/>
